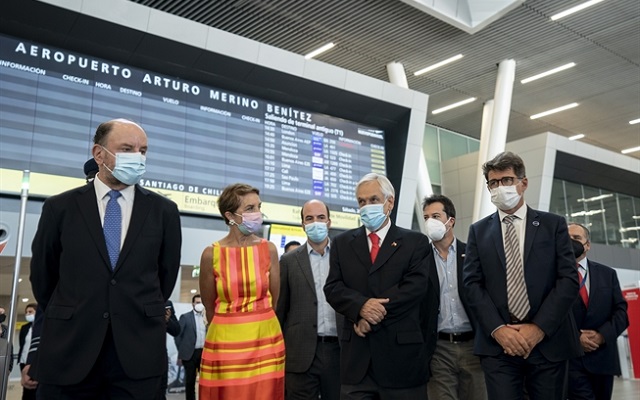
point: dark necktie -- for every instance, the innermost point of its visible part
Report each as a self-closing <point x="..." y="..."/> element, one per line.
<point x="113" y="227"/>
<point x="375" y="246"/>
<point x="517" y="298"/>
<point x="583" y="288"/>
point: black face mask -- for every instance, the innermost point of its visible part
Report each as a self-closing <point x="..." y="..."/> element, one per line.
<point x="578" y="248"/>
<point x="2" y="318"/>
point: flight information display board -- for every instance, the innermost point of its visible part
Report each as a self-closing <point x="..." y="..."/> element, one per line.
<point x="200" y="138"/>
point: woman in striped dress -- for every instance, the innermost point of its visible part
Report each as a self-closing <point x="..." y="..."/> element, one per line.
<point x="243" y="356"/>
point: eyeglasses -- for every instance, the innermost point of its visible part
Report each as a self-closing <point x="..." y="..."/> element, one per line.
<point x="506" y="181"/>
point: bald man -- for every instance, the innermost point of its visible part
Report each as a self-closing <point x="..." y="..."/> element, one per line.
<point x="105" y="260"/>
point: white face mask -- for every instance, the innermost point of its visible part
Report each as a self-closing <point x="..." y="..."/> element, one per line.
<point x="199" y="307"/>
<point x="505" y="197"/>
<point x="436" y="229"/>
<point x="30" y="317"/>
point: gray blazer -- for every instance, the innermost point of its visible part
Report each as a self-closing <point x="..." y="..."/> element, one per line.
<point x="297" y="309"/>
<point x="186" y="340"/>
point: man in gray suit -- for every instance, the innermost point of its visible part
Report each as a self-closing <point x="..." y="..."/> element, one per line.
<point x="308" y="321"/>
<point x="190" y="341"/>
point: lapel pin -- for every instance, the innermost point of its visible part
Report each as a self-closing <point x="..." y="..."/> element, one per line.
<point x="536" y="223"/>
<point x="463" y="255"/>
<point x="394" y="244"/>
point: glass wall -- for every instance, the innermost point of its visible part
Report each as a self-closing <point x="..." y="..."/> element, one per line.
<point x="440" y="144"/>
<point x="612" y="218"/>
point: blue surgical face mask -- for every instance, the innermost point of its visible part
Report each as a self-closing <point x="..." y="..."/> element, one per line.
<point x="129" y="167"/>
<point x="317" y="231"/>
<point x="251" y="223"/>
<point x="373" y="216"/>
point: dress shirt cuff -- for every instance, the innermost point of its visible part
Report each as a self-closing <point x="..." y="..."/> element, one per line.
<point x="494" y="331"/>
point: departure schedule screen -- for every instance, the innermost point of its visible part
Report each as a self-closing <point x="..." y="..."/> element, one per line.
<point x="201" y="138"/>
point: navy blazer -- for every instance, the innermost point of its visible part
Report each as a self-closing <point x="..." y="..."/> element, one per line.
<point x="607" y="314"/>
<point x="431" y="316"/>
<point x="396" y="349"/>
<point x="550" y="276"/>
<point x="83" y="299"/>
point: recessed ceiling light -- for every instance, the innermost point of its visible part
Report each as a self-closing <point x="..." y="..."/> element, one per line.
<point x="576" y="137"/>
<point x="574" y="9"/>
<point x="25" y="299"/>
<point x="438" y="65"/>
<point x="630" y="150"/>
<point x="454" y="105"/>
<point x="194" y="291"/>
<point x="554" y="110"/>
<point x="634" y="121"/>
<point x="320" y="50"/>
<point x="547" y="73"/>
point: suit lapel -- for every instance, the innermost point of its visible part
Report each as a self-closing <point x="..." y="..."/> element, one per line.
<point x="141" y="205"/>
<point x="305" y="265"/>
<point x="495" y="232"/>
<point x="88" y="206"/>
<point x="530" y="230"/>
<point x="391" y="243"/>
<point x="360" y="248"/>
<point x="460" y="254"/>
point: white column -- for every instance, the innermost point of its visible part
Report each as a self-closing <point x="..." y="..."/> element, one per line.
<point x="497" y="137"/>
<point x="398" y="77"/>
<point x="482" y="201"/>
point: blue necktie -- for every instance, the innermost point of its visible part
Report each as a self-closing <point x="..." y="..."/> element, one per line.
<point x="113" y="227"/>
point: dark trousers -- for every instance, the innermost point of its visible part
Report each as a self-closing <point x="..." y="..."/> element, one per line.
<point x="322" y="378"/>
<point x="191" y="369"/>
<point x="506" y="377"/>
<point x="368" y="389"/>
<point x="583" y="385"/>
<point x="106" y="381"/>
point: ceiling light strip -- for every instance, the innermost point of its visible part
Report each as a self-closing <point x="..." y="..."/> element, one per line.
<point x="634" y="121"/>
<point x="554" y="110"/>
<point x="547" y="73"/>
<point x="454" y="105"/>
<point x="576" y="137"/>
<point x="630" y="150"/>
<point x="574" y="9"/>
<point x="320" y="50"/>
<point x="438" y="65"/>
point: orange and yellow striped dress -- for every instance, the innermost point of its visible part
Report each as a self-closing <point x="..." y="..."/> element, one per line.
<point x="243" y="356"/>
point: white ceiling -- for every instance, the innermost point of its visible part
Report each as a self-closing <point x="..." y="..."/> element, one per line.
<point x="604" y="42"/>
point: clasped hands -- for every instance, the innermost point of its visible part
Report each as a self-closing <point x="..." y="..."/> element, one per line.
<point x="372" y="313"/>
<point x="590" y="340"/>
<point x="518" y="340"/>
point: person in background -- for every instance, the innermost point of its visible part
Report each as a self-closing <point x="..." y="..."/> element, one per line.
<point x="520" y="283"/>
<point x="90" y="169"/>
<point x="290" y="246"/>
<point x="3" y="327"/>
<point x="239" y="284"/>
<point x="378" y="280"/>
<point x="190" y="341"/>
<point x="601" y="315"/>
<point x="308" y="321"/>
<point x="25" y="343"/>
<point x="173" y="329"/>
<point x="456" y="371"/>
<point x="105" y="258"/>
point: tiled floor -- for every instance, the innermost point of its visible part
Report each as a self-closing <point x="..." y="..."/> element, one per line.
<point x="622" y="390"/>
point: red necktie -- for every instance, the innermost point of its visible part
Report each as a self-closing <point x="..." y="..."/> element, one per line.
<point x="375" y="240"/>
<point x="583" y="288"/>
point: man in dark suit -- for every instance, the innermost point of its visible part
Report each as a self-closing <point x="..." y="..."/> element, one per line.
<point x="378" y="280"/>
<point x="601" y="315"/>
<point x="520" y="283"/>
<point x="190" y="342"/>
<point x="26" y="333"/>
<point x="105" y="258"/>
<point x="309" y="324"/>
<point x="456" y="371"/>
